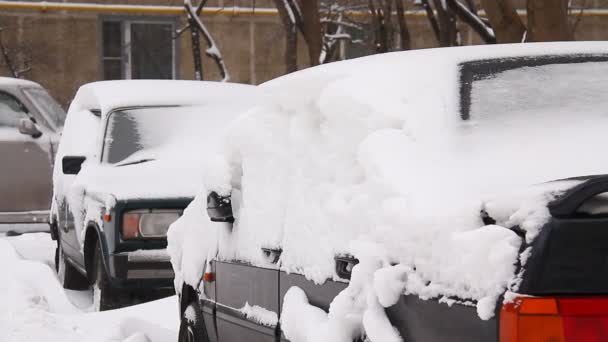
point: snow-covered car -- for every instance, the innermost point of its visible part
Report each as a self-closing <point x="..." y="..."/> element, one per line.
<point x="129" y="162"/>
<point x="432" y="195"/>
<point x="30" y="124"/>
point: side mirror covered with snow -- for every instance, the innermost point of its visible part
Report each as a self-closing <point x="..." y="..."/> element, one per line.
<point x="71" y="165"/>
<point x="219" y="208"/>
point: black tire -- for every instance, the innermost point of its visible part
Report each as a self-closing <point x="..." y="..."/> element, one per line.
<point x="104" y="297"/>
<point x="192" y="326"/>
<point x="68" y="275"/>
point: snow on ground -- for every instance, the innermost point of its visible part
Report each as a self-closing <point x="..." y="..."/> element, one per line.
<point x="36" y="308"/>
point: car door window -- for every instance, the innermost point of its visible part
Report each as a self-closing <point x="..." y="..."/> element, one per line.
<point x="596" y="206"/>
<point x="47" y="106"/>
<point x="11" y="110"/>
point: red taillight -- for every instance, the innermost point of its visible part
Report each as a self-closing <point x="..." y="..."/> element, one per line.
<point x="533" y="319"/>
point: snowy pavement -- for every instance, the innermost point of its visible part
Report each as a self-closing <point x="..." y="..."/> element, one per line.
<point x="34" y="306"/>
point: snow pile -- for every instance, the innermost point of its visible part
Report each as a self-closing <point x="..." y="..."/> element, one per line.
<point x="260" y="315"/>
<point x="374" y="285"/>
<point x="36" y="308"/>
<point x="374" y="150"/>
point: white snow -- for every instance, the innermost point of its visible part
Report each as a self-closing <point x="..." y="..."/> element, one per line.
<point x="370" y="158"/>
<point x="36" y="308"/>
<point x="260" y="315"/>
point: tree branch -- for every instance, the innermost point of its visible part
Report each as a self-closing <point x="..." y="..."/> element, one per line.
<point x="430" y="14"/>
<point x="484" y="31"/>
<point x="212" y="51"/>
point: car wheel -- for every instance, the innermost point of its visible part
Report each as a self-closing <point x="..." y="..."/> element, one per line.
<point x="68" y="275"/>
<point x="192" y="327"/>
<point x="103" y="296"/>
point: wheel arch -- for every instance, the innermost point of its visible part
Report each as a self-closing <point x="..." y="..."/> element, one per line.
<point x="187" y="296"/>
<point x="92" y="236"/>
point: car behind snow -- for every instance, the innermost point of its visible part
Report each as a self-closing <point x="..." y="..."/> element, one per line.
<point x="30" y="124"/>
<point x="129" y="163"/>
<point x="418" y="196"/>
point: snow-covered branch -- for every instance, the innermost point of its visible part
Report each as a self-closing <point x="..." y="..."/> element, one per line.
<point x="212" y="50"/>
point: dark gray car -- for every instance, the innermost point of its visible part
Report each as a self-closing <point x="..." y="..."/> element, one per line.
<point x="30" y="123"/>
<point x="557" y="289"/>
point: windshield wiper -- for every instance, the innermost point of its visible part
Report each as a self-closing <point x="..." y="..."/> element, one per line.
<point x="139" y="161"/>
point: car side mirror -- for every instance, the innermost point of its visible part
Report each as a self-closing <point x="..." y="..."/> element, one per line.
<point x="28" y="127"/>
<point x="219" y="208"/>
<point x="71" y="165"/>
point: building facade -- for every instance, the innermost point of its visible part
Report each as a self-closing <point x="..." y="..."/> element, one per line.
<point x="80" y="41"/>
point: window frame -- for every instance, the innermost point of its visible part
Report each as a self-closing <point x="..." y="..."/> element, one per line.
<point x="125" y="42"/>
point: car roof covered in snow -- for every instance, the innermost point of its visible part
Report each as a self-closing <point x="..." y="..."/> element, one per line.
<point x="10" y="81"/>
<point x="106" y="96"/>
<point x="416" y="67"/>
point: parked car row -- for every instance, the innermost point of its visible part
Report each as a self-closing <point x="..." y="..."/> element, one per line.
<point x="439" y="195"/>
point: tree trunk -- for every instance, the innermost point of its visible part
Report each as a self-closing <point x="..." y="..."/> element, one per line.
<point x="548" y="21"/>
<point x="430" y="14"/>
<point x="311" y="27"/>
<point x="508" y="26"/>
<point x="404" y="32"/>
<point x="447" y="24"/>
<point x="291" y="36"/>
<point x="473" y="20"/>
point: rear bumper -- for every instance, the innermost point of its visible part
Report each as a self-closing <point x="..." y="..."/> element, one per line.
<point x="141" y="269"/>
<point x="37" y="216"/>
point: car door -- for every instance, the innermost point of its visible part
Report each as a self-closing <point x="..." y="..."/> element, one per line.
<point x="319" y="295"/>
<point x="26" y="161"/>
<point x="244" y="294"/>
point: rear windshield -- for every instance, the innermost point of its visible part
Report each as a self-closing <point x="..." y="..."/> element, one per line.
<point x="518" y="112"/>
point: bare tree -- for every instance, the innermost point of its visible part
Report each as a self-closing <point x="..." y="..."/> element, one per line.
<point x="384" y="22"/>
<point x="10" y="62"/>
<point x="291" y="34"/>
<point x="548" y="21"/>
<point x="507" y="25"/>
<point x="322" y="24"/>
<point x="197" y="29"/>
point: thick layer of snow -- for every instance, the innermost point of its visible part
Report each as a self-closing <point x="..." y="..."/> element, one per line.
<point x="36" y="308"/>
<point x="109" y="95"/>
<point x="374" y="150"/>
<point x="260" y="315"/>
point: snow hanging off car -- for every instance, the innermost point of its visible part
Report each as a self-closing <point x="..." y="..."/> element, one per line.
<point x="375" y="158"/>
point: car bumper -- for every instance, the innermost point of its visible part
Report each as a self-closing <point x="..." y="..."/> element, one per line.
<point x="38" y="216"/>
<point x="143" y="268"/>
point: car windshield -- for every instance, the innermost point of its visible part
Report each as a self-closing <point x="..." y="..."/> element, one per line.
<point x="47" y="105"/>
<point x="130" y="131"/>
<point x="556" y="112"/>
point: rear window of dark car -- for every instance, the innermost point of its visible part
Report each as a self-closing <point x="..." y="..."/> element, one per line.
<point x="507" y="85"/>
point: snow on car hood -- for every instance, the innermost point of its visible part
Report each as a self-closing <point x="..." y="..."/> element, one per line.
<point x="154" y="179"/>
<point x="371" y="158"/>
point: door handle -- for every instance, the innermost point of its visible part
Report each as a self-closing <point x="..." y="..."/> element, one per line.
<point x="344" y="265"/>
<point x="272" y="254"/>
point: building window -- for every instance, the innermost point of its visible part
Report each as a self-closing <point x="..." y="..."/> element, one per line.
<point x="138" y="49"/>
